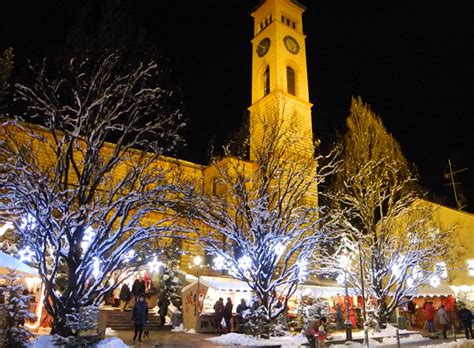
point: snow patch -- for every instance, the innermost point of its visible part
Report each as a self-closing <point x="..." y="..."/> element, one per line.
<point x="179" y="328"/>
<point x="110" y="332"/>
<point x="244" y="340"/>
<point x="47" y="341"/>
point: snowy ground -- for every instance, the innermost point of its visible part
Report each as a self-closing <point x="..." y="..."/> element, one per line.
<point x="47" y="341"/>
<point x="458" y="344"/>
<point x="297" y="341"/>
<point x="244" y="340"/>
<point x="385" y="338"/>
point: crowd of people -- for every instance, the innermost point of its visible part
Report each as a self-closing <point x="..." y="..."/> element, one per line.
<point x="140" y="308"/>
<point x="316" y="331"/>
<point x="464" y="316"/>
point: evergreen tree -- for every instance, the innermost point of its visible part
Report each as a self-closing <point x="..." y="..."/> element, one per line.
<point x="171" y="286"/>
<point x="17" y="313"/>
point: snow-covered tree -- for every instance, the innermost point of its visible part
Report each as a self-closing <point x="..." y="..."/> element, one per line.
<point x="382" y="225"/>
<point x="88" y="182"/>
<point x="171" y="286"/>
<point x="16" y="309"/>
<point x="261" y="218"/>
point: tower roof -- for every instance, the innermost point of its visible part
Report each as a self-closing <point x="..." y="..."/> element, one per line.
<point x="296" y="2"/>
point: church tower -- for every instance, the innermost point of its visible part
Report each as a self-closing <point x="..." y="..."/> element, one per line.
<point x="279" y="73"/>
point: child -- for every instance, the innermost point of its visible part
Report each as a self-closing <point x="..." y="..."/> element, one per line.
<point x="321" y="333"/>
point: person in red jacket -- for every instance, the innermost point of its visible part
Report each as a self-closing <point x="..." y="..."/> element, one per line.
<point x="429" y="316"/>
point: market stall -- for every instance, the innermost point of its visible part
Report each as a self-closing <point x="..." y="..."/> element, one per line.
<point x="31" y="281"/>
<point x="202" y="293"/>
<point x="330" y="296"/>
<point x="440" y="295"/>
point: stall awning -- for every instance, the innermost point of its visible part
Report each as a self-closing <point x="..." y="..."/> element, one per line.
<point x="440" y="290"/>
<point x="222" y="284"/>
<point x="323" y="291"/>
<point x="8" y="263"/>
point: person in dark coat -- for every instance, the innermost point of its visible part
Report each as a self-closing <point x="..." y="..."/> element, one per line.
<point x="465" y="316"/>
<point x="228" y="314"/>
<point x="125" y="296"/>
<point x="139" y="317"/>
<point x="218" y="314"/>
<point x="163" y="303"/>
<point x="138" y="287"/>
<point x="241" y="308"/>
<point x="311" y="332"/>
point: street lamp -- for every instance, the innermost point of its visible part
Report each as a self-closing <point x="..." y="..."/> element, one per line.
<point x="197" y="262"/>
<point x="344" y="263"/>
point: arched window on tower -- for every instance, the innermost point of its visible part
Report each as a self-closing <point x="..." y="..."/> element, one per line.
<point x="266" y="81"/>
<point x="290" y="81"/>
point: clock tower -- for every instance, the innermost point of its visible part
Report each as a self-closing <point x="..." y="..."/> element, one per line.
<point x="279" y="74"/>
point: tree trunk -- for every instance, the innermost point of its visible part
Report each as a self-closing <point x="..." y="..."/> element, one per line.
<point x="382" y="316"/>
<point x="60" y="326"/>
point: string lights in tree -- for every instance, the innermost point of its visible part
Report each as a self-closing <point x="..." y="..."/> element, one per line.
<point x="154" y="266"/>
<point x="26" y="254"/>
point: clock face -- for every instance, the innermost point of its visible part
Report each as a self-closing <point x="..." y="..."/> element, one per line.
<point x="263" y="47"/>
<point x="291" y="44"/>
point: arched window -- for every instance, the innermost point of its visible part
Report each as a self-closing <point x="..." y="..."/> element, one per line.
<point x="290" y="80"/>
<point x="266" y="81"/>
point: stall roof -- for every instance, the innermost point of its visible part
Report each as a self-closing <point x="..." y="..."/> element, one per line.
<point x="8" y="262"/>
<point x="324" y="291"/>
<point x="440" y="290"/>
<point x="224" y="284"/>
<point x="221" y="283"/>
<point x="231" y="284"/>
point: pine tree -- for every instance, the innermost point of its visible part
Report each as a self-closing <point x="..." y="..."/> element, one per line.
<point x="171" y="286"/>
<point x="16" y="305"/>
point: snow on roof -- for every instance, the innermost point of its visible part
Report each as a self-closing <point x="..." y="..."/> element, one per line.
<point x="231" y="284"/>
<point x="323" y="291"/>
<point x="224" y="284"/>
<point x="8" y="262"/>
<point x="221" y="284"/>
<point x="440" y="290"/>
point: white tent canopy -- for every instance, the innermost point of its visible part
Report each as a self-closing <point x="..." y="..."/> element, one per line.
<point x="323" y="291"/>
<point x="8" y="263"/>
<point x="221" y="284"/>
<point x="440" y="290"/>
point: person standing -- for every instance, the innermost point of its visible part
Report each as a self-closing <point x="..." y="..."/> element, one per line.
<point x="218" y="314"/>
<point x="443" y="320"/>
<point x="241" y="308"/>
<point x="138" y="287"/>
<point x="321" y="333"/>
<point x="411" y="309"/>
<point x="429" y="316"/>
<point x="311" y="333"/>
<point x="163" y="303"/>
<point x="125" y="296"/>
<point x="228" y="314"/>
<point x="339" y="317"/>
<point x="465" y="316"/>
<point x="139" y="317"/>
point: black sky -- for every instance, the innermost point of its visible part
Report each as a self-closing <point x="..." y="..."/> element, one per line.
<point x="413" y="62"/>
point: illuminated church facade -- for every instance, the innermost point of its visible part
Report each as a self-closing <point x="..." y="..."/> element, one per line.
<point x="279" y="89"/>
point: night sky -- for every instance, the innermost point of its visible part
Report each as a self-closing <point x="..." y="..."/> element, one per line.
<point x="413" y="62"/>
